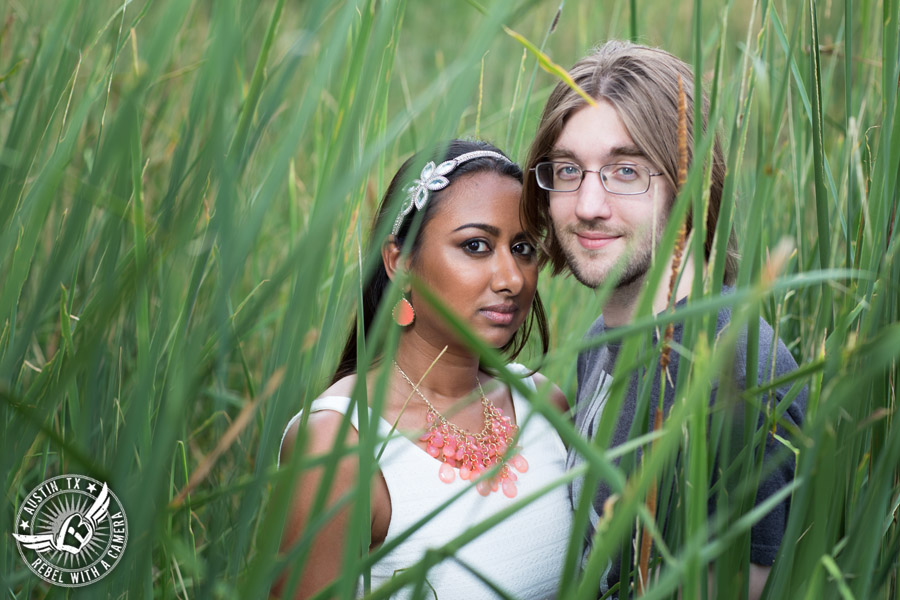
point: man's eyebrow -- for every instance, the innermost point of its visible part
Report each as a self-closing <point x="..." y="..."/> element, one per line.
<point x="495" y="231"/>
<point x="627" y="151"/>
<point x="556" y="153"/>
<point x="618" y="151"/>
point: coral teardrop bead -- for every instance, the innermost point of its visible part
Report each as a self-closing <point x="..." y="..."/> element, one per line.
<point x="519" y="462"/>
<point x="509" y="488"/>
<point x="446" y="473"/>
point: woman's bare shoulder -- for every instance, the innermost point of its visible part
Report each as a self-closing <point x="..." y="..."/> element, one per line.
<point x="323" y="426"/>
<point x="556" y="395"/>
<point x="343" y="387"/>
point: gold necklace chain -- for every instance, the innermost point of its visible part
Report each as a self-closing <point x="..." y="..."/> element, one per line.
<point x="488" y="409"/>
<point x="472" y="454"/>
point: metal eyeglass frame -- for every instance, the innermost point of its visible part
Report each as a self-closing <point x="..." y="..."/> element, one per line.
<point x="599" y="171"/>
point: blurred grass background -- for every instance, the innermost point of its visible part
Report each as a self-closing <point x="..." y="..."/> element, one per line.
<point x="184" y="185"/>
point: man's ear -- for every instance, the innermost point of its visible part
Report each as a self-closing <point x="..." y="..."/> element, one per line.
<point x="392" y="257"/>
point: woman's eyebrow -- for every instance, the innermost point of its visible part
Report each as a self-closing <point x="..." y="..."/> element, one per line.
<point x="495" y="231"/>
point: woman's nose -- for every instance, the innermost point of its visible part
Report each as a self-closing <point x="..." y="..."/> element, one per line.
<point x="508" y="274"/>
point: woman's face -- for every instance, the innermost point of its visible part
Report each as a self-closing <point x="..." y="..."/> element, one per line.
<point x="475" y="256"/>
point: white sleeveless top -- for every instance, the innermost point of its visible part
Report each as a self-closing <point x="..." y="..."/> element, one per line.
<point x="523" y="554"/>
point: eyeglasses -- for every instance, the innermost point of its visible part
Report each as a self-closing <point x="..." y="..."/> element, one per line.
<point x="625" y="179"/>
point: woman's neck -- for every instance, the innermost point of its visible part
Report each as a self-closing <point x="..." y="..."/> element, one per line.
<point x="451" y="372"/>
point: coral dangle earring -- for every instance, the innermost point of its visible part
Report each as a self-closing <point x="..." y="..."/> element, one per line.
<point x="403" y="313"/>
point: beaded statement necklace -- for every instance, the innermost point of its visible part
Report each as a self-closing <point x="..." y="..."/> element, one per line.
<point x="472" y="453"/>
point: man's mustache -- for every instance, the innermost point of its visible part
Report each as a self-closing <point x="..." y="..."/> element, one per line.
<point x="594" y="229"/>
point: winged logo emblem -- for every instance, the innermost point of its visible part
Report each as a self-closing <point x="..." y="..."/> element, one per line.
<point x="76" y="530"/>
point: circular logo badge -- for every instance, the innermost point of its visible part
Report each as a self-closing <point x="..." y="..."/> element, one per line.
<point x="71" y="530"/>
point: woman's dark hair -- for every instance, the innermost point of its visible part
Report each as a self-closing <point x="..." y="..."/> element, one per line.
<point x="395" y="195"/>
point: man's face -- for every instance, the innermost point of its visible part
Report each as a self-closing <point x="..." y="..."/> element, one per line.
<point x="597" y="228"/>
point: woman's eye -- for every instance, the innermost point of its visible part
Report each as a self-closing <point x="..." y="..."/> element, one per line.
<point x="476" y="246"/>
<point x="524" y="248"/>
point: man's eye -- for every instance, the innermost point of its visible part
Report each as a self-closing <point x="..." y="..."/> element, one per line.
<point x="568" y="172"/>
<point x="476" y="246"/>
<point x="625" y="173"/>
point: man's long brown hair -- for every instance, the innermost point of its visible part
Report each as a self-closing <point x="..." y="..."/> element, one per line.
<point x="641" y="83"/>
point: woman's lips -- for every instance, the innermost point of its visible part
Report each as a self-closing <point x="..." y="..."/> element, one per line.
<point x="595" y="241"/>
<point x="502" y="314"/>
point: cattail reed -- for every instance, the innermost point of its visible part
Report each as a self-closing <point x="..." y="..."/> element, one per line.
<point x="677" y="253"/>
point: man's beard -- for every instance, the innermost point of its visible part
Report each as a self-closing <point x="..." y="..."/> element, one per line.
<point x="637" y="262"/>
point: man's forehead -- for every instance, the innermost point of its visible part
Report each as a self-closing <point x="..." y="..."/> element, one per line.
<point x="595" y="132"/>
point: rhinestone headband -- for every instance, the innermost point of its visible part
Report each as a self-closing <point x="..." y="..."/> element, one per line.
<point x="433" y="178"/>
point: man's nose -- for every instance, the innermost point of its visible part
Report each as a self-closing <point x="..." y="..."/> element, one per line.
<point x="593" y="199"/>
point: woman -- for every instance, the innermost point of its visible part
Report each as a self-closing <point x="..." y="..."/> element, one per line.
<point x="471" y="251"/>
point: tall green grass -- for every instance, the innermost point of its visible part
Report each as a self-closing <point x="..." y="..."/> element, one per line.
<point x="184" y="189"/>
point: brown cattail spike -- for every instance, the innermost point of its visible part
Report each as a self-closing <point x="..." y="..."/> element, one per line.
<point x="682" y="135"/>
<point x="677" y="253"/>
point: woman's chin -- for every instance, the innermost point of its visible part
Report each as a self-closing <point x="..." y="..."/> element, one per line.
<point x="494" y="336"/>
<point x="498" y="339"/>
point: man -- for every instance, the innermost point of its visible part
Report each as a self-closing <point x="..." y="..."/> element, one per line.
<point x="602" y="181"/>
